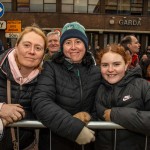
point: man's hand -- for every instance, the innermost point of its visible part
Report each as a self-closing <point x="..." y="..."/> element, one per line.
<point x="12" y="112"/>
<point x="83" y="116"/>
<point x="107" y="115"/>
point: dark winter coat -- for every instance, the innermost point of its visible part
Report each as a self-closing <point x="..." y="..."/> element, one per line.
<point x="19" y="95"/>
<point x="129" y="101"/>
<point x="63" y="90"/>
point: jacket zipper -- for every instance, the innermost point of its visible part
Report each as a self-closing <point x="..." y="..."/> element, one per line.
<point x="81" y="91"/>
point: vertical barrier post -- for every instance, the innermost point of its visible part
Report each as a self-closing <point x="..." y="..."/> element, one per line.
<point x="18" y="137"/>
<point x="50" y="139"/>
<point x="146" y="143"/>
<point x="115" y="139"/>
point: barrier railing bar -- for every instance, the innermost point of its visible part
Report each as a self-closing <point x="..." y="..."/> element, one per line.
<point x="103" y="125"/>
<point x="92" y="124"/>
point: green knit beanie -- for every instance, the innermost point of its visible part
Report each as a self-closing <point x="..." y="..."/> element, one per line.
<point x="74" y="30"/>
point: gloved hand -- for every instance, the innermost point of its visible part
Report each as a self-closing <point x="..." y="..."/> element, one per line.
<point x="83" y="116"/>
<point x="86" y="136"/>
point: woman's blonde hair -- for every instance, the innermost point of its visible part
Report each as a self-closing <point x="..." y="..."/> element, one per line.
<point x="38" y="31"/>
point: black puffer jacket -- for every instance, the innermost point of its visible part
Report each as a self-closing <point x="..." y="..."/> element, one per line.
<point x="63" y="90"/>
<point x="20" y="95"/>
<point x="129" y="101"/>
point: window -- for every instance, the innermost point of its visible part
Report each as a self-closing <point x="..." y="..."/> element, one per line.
<point x="80" y="6"/>
<point x="74" y="6"/>
<point x="49" y="5"/>
<point x="124" y="7"/>
<point x="94" y="6"/>
<point x="67" y="6"/>
<point x="111" y="6"/>
<point x="23" y="5"/>
<point x="136" y="7"/>
<point x="7" y="5"/>
<point x="36" y="6"/>
<point x="149" y="7"/>
<point x="130" y="7"/>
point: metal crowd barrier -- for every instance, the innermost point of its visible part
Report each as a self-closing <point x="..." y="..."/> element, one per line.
<point x="91" y="125"/>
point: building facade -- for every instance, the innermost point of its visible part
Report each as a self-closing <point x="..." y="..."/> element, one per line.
<point x="105" y="21"/>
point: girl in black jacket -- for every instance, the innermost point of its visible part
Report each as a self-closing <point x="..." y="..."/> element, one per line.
<point x="123" y="98"/>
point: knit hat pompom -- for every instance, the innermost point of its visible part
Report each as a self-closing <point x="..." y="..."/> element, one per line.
<point x="73" y="30"/>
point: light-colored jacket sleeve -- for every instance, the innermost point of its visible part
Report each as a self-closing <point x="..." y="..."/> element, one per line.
<point x="1" y="129"/>
<point x="1" y="124"/>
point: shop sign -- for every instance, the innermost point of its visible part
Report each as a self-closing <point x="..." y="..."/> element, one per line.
<point x="12" y="35"/>
<point x="13" y="26"/>
<point x="2" y="24"/>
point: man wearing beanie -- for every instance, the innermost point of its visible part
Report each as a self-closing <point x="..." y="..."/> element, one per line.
<point x="65" y="93"/>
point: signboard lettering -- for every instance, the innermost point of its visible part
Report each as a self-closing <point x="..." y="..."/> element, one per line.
<point x="134" y="22"/>
<point x="2" y="24"/>
<point x="11" y="35"/>
<point x="13" y="26"/>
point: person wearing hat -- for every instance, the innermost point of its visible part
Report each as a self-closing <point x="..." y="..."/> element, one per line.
<point x="65" y="91"/>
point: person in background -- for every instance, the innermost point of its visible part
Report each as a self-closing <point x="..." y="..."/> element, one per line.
<point x="148" y="51"/>
<point x="65" y="91"/>
<point x="132" y="46"/>
<point x="146" y="69"/>
<point x="8" y="46"/>
<point x="123" y="97"/>
<point x="144" y="63"/>
<point x="53" y="46"/>
<point x="1" y="47"/>
<point x="145" y="60"/>
<point x="20" y="67"/>
<point x="146" y="55"/>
